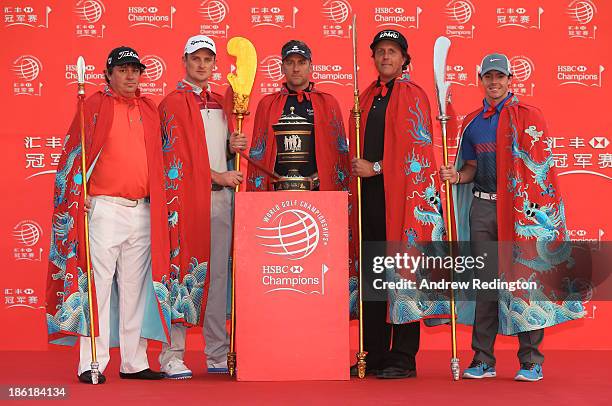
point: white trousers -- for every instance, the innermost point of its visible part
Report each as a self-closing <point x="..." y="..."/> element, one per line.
<point x="215" y="332"/>
<point x="120" y="246"/>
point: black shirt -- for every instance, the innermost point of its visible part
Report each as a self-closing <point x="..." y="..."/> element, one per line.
<point x="373" y="188"/>
<point x="302" y="109"/>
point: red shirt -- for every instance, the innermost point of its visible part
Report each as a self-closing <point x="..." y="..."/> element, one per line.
<point x="121" y="169"/>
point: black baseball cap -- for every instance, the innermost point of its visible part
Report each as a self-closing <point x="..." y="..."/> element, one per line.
<point x="122" y="56"/>
<point x="390" y="35"/>
<point x="296" y="47"/>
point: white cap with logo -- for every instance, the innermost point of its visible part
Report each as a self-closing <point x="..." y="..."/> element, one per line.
<point x="200" y="42"/>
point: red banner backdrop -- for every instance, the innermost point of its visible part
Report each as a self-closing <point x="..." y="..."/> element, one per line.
<point x="559" y="51"/>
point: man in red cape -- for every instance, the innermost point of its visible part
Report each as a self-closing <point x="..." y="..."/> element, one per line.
<point x="400" y="202"/>
<point x="505" y="178"/>
<point x="127" y="228"/>
<point x="329" y="155"/>
<point x="330" y="160"/>
<point x="196" y="150"/>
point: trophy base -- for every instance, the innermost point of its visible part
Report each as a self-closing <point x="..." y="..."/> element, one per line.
<point x="293" y="183"/>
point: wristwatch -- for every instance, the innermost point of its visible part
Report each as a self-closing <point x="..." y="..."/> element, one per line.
<point x="377" y="168"/>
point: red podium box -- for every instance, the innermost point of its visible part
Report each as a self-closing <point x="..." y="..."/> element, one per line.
<point x="292" y="316"/>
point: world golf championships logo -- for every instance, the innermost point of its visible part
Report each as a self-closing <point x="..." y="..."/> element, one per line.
<point x="214" y="10"/>
<point x="522" y="68"/>
<point x="27" y="233"/>
<point x="460" y="11"/>
<point x="155" y="67"/>
<point x="27" y="67"/>
<point x="581" y="11"/>
<point x="271" y="67"/>
<point x="293" y="234"/>
<point x="90" y="10"/>
<point x="336" y="10"/>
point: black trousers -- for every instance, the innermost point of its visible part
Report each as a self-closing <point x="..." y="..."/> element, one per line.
<point x="388" y="345"/>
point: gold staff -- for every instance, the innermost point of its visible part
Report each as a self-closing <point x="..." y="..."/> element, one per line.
<point x="81" y="94"/>
<point x="242" y="83"/>
<point x="356" y="111"/>
<point x="440" y="52"/>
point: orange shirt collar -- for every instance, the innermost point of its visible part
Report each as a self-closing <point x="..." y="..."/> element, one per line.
<point x="131" y="100"/>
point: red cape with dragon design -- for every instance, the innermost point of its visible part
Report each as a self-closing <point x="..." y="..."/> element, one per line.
<point x="67" y="304"/>
<point x="531" y="225"/>
<point x="412" y="199"/>
<point x="188" y="188"/>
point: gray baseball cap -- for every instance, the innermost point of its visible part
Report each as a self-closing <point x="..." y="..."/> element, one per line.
<point x="498" y="62"/>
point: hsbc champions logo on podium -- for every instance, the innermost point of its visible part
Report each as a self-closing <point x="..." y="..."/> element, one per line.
<point x="291" y="232"/>
<point x="459" y="14"/>
<point x="581" y="14"/>
<point x="214" y="13"/>
<point x="153" y="82"/>
<point x="337" y="15"/>
<point x="27" y="70"/>
<point x="90" y="14"/>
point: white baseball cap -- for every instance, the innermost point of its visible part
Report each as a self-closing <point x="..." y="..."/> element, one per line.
<point x="200" y="42"/>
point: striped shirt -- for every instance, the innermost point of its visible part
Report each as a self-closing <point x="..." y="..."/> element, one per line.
<point x="479" y="143"/>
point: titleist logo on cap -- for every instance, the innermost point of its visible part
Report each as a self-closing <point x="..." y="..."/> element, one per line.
<point x="125" y="54"/>
<point x="389" y="34"/>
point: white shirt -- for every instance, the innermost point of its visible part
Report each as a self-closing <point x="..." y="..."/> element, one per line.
<point x="217" y="133"/>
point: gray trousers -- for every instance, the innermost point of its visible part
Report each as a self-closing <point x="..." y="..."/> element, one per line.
<point x="215" y="331"/>
<point x="483" y="228"/>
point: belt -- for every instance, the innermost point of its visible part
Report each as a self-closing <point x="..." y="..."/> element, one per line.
<point x="122" y="201"/>
<point x="485" y="195"/>
<point x="215" y="187"/>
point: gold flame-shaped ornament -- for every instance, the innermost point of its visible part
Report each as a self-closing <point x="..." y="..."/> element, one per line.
<point x="244" y="76"/>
